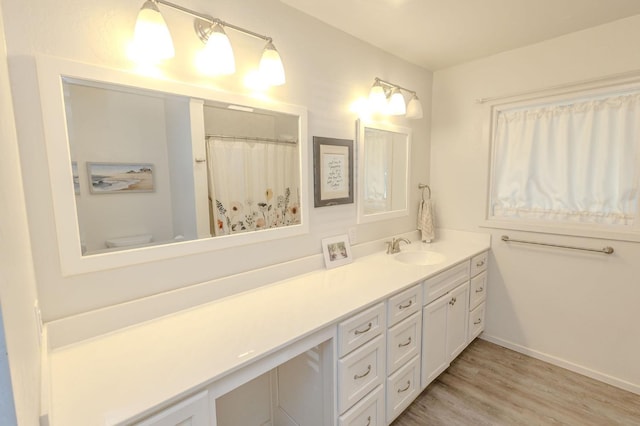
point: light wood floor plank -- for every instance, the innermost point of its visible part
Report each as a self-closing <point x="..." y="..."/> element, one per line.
<point x="488" y="385"/>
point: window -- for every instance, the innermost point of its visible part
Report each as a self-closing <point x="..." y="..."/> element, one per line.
<point x="569" y="162"/>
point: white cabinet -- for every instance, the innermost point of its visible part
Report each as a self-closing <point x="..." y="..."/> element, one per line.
<point x="444" y="320"/>
<point x="193" y="411"/>
<point x="368" y="412"/>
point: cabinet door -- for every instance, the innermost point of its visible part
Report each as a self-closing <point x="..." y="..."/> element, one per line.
<point x="434" y="339"/>
<point x="457" y="320"/>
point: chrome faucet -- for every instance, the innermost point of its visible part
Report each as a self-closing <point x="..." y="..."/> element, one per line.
<point x="393" y="246"/>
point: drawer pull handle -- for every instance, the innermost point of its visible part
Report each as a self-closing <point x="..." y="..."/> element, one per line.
<point x="406" y="306"/>
<point x="401" y="345"/>
<point x="360" y="376"/>
<point x="480" y="263"/>
<point x="368" y="421"/>
<point x="453" y="301"/>
<point x="406" y="388"/>
<point x="478" y="321"/>
<point x="363" y="331"/>
<point x="479" y="289"/>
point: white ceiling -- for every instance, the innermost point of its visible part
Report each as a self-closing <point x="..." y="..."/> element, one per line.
<point x="437" y="34"/>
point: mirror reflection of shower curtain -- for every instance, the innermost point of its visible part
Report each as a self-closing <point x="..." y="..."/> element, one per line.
<point x="253" y="185"/>
<point x="378" y="160"/>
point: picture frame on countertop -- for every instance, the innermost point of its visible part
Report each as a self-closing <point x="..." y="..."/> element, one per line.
<point x="337" y="251"/>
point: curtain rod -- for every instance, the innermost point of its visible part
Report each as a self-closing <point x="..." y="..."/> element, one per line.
<point x="253" y="139"/>
<point x="610" y="78"/>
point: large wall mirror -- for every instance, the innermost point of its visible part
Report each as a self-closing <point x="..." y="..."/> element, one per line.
<point x="383" y="171"/>
<point x="144" y="169"/>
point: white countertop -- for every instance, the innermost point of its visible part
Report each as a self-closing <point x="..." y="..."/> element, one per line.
<point x="129" y="371"/>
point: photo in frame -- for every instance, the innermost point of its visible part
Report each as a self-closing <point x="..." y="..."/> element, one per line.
<point x="332" y="171"/>
<point x="337" y="251"/>
<point x="108" y="178"/>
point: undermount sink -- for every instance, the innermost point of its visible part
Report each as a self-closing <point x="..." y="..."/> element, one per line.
<point x="420" y="257"/>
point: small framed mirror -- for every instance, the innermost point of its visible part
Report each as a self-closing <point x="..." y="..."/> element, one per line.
<point x="383" y="171"/>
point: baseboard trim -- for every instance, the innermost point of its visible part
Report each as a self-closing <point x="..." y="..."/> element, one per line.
<point x="559" y="362"/>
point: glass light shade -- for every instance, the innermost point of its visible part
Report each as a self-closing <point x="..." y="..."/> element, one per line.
<point x="151" y="38"/>
<point x="217" y="56"/>
<point x="377" y="98"/>
<point x="271" y="69"/>
<point x="414" y="108"/>
<point x="396" y="103"/>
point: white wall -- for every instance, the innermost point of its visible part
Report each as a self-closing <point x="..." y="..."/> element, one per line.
<point x="17" y="282"/>
<point x="326" y="72"/>
<point x="576" y="309"/>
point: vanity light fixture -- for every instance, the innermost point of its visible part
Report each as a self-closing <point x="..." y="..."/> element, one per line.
<point x="388" y="98"/>
<point x="151" y="34"/>
<point x="151" y="37"/>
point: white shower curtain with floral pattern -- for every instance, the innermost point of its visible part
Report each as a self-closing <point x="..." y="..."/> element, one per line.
<point x="253" y="185"/>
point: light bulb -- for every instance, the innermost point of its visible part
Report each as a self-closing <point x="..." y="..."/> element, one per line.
<point x="217" y="56"/>
<point x="414" y="108"/>
<point x="377" y="98"/>
<point x="271" y="69"/>
<point x="152" y="41"/>
<point x="396" y="103"/>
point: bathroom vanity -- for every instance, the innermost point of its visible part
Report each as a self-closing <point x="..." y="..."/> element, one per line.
<point x="345" y="346"/>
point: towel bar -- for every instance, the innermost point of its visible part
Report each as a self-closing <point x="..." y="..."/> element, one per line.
<point x="424" y="186"/>
<point x="605" y="250"/>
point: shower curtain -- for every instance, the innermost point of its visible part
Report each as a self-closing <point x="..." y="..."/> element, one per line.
<point x="253" y="184"/>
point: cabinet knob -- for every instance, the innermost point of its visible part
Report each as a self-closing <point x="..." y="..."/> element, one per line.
<point x="360" y="376"/>
<point x="407" y="343"/>
<point x="401" y="307"/>
<point x="480" y="263"/>
<point x="406" y="388"/>
<point x="363" y="331"/>
<point x="478" y="321"/>
<point x="479" y="289"/>
<point x="453" y="301"/>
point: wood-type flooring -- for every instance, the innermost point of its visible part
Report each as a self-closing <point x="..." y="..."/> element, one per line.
<point x="491" y="385"/>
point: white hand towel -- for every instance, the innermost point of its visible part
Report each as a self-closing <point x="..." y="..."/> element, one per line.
<point x="426" y="223"/>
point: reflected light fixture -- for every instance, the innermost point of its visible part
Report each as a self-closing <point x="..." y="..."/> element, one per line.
<point x="152" y="41"/>
<point x="388" y="98"/>
<point x="151" y="35"/>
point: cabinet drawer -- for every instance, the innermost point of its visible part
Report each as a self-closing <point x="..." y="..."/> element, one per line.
<point x="360" y="328"/>
<point x="360" y="372"/>
<point x="369" y="411"/>
<point x="478" y="290"/>
<point x="479" y="263"/>
<point x="403" y="342"/>
<point x="402" y="388"/>
<point x="446" y="281"/>
<point x="476" y="322"/>
<point x="192" y="411"/>
<point x="404" y="304"/>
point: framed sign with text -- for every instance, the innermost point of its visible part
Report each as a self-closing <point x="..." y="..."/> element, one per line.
<point x="332" y="171"/>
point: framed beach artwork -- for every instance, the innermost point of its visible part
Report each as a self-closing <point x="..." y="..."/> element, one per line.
<point x="109" y="178"/>
<point x="337" y="251"/>
<point x="332" y="171"/>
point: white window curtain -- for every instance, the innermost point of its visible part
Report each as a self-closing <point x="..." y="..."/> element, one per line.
<point x="253" y="185"/>
<point x="573" y="162"/>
